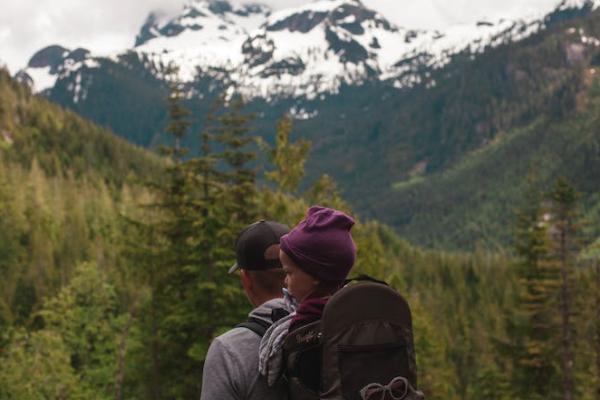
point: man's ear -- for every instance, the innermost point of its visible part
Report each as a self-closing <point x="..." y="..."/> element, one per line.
<point x="246" y="279"/>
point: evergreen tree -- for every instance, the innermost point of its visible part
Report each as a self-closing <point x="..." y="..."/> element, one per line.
<point x="564" y="231"/>
<point x="287" y="157"/>
<point x="86" y="315"/>
<point x="23" y="301"/>
<point x="170" y="273"/>
<point x="533" y="329"/>
<point x="11" y="255"/>
<point x="37" y="365"/>
<point x="286" y="170"/>
<point x="597" y="327"/>
<point x="215" y="226"/>
<point x="74" y="355"/>
<point x="491" y="383"/>
<point x="145" y="248"/>
<point x="179" y="115"/>
<point x="233" y="135"/>
<point x="325" y="192"/>
<point x="436" y="377"/>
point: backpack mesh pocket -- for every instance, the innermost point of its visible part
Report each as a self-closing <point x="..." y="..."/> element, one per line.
<point x="307" y="368"/>
<point x="361" y="365"/>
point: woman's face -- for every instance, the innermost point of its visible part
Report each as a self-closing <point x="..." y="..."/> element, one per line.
<point x="299" y="283"/>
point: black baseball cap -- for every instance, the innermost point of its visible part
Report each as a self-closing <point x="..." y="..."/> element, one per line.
<point x="254" y="249"/>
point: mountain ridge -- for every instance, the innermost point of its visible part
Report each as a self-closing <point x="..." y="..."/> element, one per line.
<point x="301" y="52"/>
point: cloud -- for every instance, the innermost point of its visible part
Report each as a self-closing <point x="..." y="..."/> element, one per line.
<point x="101" y="25"/>
<point x="275" y="4"/>
<point x="439" y="14"/>
<point x="5" y="33"/>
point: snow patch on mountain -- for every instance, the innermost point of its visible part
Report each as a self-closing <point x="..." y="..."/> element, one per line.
<point x="320" y="46"/>
<point x="52" y="63"/>
<point x="300" y="113"/>
<point x="307" y="51"/>
<point x="207" y="34"/>
<point x="310" y="7"/>
<point x="566" y="4"/>
<point x="41" y="78"/>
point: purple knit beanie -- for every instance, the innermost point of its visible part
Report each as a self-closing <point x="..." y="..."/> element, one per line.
<point x="321" y="244"/>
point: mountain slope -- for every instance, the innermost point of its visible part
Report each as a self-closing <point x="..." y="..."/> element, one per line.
<point x="62" y="142"/>
<point x="474" y="201"/>
<point x="403" y="169"/>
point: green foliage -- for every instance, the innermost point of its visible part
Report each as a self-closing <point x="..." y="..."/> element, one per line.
<point x="288" y="158"/>
<point x="37" y="366"/>
<point x="115" y="289"/>
<point x="197" y="211"/>
<point x="472" y="203"/>
<point x="74" y="355"/>
<point x="63" y="142"/>
<point x="565" y="226"/>
<point x="534" y="325"/>
<point x="86" y="315"/>
<point x="233" y="134"/>
<point x="546" y="326"/>
<point x="179" y="122"/>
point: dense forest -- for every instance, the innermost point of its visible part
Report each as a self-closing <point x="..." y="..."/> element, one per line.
<point x="114" y="264"/>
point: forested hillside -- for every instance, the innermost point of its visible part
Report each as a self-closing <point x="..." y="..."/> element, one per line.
<point x="533" y="107"/>
<point x="61" y="141"/>
<point x="114" y="265"/>
<point x="473" y="202"/>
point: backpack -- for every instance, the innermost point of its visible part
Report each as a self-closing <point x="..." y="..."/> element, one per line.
<point x="362" y="345"/>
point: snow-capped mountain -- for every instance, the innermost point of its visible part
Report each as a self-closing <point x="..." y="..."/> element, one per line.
<point x="300" y="52"/>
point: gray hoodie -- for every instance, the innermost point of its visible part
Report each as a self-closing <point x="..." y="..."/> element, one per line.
<point x="231" y="366"/>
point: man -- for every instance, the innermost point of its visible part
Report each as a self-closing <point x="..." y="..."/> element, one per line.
<point x="231" y="366"/>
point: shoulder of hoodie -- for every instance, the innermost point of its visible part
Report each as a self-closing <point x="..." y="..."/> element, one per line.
<point x="233" y="338"/>
<point x="237" y="339"/>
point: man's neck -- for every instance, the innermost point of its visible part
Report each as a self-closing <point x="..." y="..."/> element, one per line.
<point x="260" y="300"/>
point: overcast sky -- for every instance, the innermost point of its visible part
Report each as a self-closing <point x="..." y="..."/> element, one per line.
<point x="108" y="25"/>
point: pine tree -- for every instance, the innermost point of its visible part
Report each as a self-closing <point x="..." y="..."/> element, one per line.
<point x="287" y="157"/>
<point x="286" y="170"/>
<point x="179" y="115"/>
<point x="233" y="135"/>
<point x="168" y="259"/>
<point x="214" y="292"/>
<point x="11" y="255"/>
<point x="178" y="280"/>
<point x="533" y="329"/>
<point x="564" y="231"/>
<point x="326" y="193"/>
<point x="145" y="248"/>
<point x="597" y="326"/>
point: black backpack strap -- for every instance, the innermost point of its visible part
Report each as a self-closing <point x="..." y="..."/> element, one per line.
<point x="278" y="313"/>
<point x="364" y="278"/>
<point x="260" y="326"/>
<point x="256" y="325"/>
